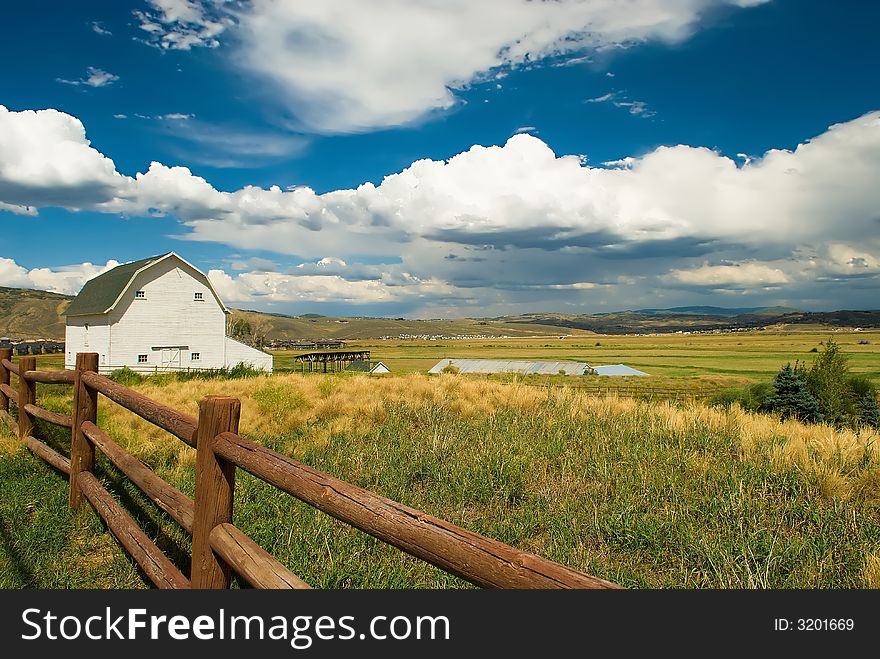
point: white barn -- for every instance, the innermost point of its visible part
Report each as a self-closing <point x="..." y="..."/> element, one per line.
<point x="156" y="314"/>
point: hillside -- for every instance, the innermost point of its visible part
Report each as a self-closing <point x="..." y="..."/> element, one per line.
<point x="27" y="314"/>
<point x="313" y="326"/>
<point x="30" y="314"/>
<point x="665" y="321"/>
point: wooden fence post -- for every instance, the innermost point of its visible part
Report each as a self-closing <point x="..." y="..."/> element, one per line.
<point x="27" y="394"/>
<point x="85" y="408"/>
<point x="215" y="482"/>
<point x="5" y="353"/>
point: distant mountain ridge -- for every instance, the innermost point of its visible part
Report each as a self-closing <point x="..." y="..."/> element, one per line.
<point x="32" y="314"/>
<point x="664" y="321"/>
<point x="720" y="311"/>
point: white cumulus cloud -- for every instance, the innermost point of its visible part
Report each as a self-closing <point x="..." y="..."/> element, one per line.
<point x="68" y="279"/>
<point x="503" y="217"/>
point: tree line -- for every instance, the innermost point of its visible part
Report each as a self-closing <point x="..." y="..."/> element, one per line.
<point x="823" y="392"/>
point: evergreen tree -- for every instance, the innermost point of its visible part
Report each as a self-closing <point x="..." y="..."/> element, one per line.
<point x="869" y="410"/>
<point x="792" y="398"/>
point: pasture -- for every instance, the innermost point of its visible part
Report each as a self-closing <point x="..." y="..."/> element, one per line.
<point x="642" y="494"/>
<point x="730" y="359"/>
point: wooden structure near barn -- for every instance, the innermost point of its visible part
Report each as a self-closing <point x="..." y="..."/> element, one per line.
<point x="219" y="548"/>
<point x="330" y="361"/>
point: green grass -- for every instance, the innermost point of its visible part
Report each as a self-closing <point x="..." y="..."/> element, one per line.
<point x="42" y="544"/>
<point x="733" y="359"/>
<point x="641" y="494"/>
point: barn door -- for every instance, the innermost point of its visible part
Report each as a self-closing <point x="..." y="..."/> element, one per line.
<point x="170" y="359"/>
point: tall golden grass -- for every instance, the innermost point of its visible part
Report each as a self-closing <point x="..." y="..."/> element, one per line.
<point x="842" y="461"/>
<point x="520" y="448"/>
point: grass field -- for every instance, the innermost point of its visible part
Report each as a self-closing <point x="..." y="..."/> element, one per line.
<point x="643" y="494"/>
<point x="718" y="359"/>
<point x="734" y="358"/>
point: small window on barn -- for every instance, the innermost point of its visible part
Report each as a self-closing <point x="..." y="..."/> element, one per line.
<point x="142" y="359"/>
<point x="140" y="295"/>
<point x="198" y="297"/>
<point x="195" y="356"/>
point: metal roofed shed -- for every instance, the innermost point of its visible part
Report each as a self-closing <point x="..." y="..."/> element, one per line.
<point x="617" y="369"/>
<point x="524" y="367"/>
<point x="510" y="366"/>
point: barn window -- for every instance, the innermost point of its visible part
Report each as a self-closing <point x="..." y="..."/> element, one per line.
<point x="142" y="359"/>
<point x="195" y="356"/>
<point x="198" y="297"/>
<point x="140" y="295"/>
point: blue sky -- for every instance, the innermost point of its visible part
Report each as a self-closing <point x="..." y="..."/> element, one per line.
<point x="449" y="159"/>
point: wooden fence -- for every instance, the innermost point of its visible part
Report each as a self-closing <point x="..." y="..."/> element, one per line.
<point x="218" y="547"/>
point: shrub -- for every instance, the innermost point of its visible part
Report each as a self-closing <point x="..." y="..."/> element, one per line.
<point x="450" y="369"/>
<point x="237" y="372"/>
<point x="752" y="398"/>
<point x="726" y="398"/>
<point x="755" y="396"/>
<point x="126" y="376"/>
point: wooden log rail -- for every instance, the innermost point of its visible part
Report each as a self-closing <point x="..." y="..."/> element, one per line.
<point x="177" y="423"/>
<point x="257" y="566"/>
<point x="218" y="547"/>
<point x="164" y="495"/>
<point x="144" y="551"/>
<point x="50" y="377"/>
<point x="476" y="558"/>
<point x="9" y="392"/>
<point x="49" y="455"/>
<point x="56" y="418"/>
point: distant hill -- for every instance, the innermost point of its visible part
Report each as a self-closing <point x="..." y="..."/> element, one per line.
<point x="691" y="319"/>
<point x="718" y="311"/>
<point x="29" y="314"/>
<point x="315" y="326"/>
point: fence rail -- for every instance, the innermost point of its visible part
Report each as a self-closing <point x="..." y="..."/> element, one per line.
<point x="218" y="547"/>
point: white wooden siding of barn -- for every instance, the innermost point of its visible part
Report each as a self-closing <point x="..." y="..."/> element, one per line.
<point x="237" y="352"/>
<point x="78" y="339"/>
<point x="168" y="316"/>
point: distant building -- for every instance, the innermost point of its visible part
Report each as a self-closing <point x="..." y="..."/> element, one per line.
<point x="617" y="369"/>
<point x="156" y="314"/>
<point x="380" y="368"/>
<point x="530" y="368"/>
<point x="510" y="366"/>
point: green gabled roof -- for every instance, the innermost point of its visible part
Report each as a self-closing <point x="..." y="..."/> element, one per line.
<point x="100" y="293"/>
